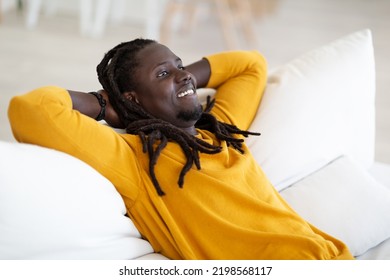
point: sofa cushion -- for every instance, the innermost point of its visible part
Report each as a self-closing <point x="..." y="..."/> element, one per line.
<point x="53" y="206"/>
<point x="316" y="108"/>
<point x="381" y="172"/>
<point x="345" y="201"/>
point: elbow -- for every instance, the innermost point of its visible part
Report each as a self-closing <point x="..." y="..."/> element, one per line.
<point x="260" y="65"/>
<point x="259" y="69"/>
<point x="29" y="114"/>
<point x="18" y="117"/>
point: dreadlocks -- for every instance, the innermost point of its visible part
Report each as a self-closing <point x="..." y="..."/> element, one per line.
<point x="116" y="75"/>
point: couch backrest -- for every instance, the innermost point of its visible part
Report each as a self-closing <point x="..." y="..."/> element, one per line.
<point x="316" y="108"/>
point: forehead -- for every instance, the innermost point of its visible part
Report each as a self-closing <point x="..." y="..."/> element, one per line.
<point x="156" y="54"/>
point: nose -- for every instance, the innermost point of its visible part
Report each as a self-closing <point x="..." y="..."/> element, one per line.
<point x="184" y="76"/>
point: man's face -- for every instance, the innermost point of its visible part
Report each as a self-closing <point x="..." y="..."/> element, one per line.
<point x="165" y="89"/>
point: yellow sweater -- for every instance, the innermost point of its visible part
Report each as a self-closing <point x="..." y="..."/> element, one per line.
<point x="226" y="210"/>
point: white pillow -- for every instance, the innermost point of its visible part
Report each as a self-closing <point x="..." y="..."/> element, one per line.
<point x="316" y="108"/>
<point x="54" y="206"/>
<point x="343" y="200"/>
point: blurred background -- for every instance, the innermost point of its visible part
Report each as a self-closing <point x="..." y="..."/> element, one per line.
<point x="52" y="42"/>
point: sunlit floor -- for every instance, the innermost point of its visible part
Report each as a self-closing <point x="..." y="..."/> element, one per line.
<point x="55" y="53"/>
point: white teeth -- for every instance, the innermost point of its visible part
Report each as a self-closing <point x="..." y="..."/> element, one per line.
<point x="185" y="93"/>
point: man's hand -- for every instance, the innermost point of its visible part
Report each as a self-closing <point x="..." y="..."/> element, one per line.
<point x="111" y="116"/>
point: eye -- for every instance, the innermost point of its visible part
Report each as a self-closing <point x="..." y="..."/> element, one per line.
<point x="181" y="67"/>
<point x="162" y="74"/>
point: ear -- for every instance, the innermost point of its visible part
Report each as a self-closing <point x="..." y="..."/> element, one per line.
<point x="130" y="95"/>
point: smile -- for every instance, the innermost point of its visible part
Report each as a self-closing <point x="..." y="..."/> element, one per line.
<point x="185" y="93"/>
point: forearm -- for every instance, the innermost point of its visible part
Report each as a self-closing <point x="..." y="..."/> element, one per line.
<point x="86" y="104"/>
<point x="201" y="70"/>
<point x="89" y="105"/>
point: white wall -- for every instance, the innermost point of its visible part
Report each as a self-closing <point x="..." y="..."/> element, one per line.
<point x="127" y="10"/>
<point x="146" y="13"/>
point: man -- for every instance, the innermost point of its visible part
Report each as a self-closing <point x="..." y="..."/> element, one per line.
<point x="190" y="184"/>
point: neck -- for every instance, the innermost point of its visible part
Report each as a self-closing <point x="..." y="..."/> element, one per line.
<point x="190" y="130"/>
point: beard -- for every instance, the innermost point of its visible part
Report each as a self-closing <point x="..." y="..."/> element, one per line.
<point x="191" y="115"/>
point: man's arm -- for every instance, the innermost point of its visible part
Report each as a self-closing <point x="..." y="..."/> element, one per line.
<point x="88" y="104"/>
<point x="55" y="118"/>
<point x="239" y="78"/>
<point x="201" y="70"/>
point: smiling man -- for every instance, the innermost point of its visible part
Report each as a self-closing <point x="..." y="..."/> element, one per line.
<point x="190" y="184"/>
<point x="167" y="91"/>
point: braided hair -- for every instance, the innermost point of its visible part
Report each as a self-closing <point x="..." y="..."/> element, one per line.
<point x="116" y="75"/>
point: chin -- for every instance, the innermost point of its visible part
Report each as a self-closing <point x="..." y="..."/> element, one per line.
<point x="191" y="115"/>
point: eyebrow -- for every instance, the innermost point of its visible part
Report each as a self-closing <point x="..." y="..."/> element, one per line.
<point x="178" y="59"/>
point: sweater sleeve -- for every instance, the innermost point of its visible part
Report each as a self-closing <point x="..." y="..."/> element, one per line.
<point x="239" y="78"/>
<point x="45" y="117"/>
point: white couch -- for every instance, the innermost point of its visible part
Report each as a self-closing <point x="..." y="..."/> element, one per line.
<point x="317" y="121"/>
